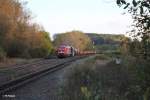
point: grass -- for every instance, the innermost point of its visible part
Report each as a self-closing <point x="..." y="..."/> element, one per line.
<point x="95" y="81"/>
<point x="9" y="62"/>
<point x="140" y="71"/>
<point x="101" y="57"/>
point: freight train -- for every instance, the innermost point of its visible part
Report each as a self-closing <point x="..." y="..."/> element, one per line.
<point x="66" y="51"/>
<point x="69" y="51"/>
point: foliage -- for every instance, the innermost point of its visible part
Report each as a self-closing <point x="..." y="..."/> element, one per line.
<point x="106" y="47"/>
<point x="101" y="57"/>
<point x="93" y="80"/>
<point x="15" y="49"/>
<point x="77" y="39"/>
<point x="100" y="39"/>
<point x="106" y="42"/>
<point x="139" y="47"/>
<point x="140" y="11"/>
<point x="43" y="47"/>
<point x="79" y="82"/>
<point x="131" y="47"/>
<point x="2" y="54"/>
<point x="18" y="36"/>
<point x="140" y="72"/>
<point x="38" y="52"/>
<point x="124" y="49"/>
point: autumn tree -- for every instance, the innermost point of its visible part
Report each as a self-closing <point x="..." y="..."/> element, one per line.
<point x="18" y="36"/>
<point x="74" y="38"/>
<point x="41" y="45"/>
<point x="124" y="48"/>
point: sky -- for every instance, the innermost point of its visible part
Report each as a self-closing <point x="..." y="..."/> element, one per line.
<point x="90" y="16"/>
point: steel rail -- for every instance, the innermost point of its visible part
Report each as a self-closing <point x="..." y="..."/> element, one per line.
<point x="13" y="84"/>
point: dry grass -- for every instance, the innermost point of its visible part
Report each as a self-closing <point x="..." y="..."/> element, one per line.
<point x="14" y="61"/>
<point x="98" y="79"/>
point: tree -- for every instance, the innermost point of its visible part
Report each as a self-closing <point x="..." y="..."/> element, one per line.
<point x="18" y="36"/>
<point x="125" y="46"/>
<point x="76" y="39"/>
<point x="41" y="45"/>
<point x="140" y="11"/>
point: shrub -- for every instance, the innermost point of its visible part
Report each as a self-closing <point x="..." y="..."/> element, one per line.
<point x="140" y="71"/>
<point x="101" y="57"/>
<point x="16" y="48"/>
<point x="93" y="81"/>
<point x="2" y="54"/>
<point x="38" y="52"/>
<point x="80" y="83"/>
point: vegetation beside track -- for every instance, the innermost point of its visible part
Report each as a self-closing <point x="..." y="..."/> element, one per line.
<point x="9" y="62"/>
<point x="100" y="78"/>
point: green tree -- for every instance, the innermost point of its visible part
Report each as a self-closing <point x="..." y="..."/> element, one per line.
<point x="42" y="45"/>
<point x="140" y="11"/>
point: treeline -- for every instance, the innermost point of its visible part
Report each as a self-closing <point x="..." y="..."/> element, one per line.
<point x="77" y="39"/>
<point x="136" y="48"/>
<point x="106" y="42"/>
<point x="18" y="36"/>
<point x="105" y="38"/>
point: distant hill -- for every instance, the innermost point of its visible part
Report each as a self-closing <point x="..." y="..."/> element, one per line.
<point x="99" y="39"/>
<point x="106" y="42"/>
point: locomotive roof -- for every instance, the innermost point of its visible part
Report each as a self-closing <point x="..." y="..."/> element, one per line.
<point x="64" y="46"/>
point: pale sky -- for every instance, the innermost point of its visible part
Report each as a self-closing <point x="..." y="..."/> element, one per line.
<point x="91" y="16"/>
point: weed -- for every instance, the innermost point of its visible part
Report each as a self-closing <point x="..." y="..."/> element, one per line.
<point x="93" y="81"/>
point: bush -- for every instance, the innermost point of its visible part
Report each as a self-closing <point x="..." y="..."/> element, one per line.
<point x="101" y="57"/>
<point x="43" y="48"/>
<point x="80" y="83"/>
<point x="140" y="72"/>
<point x="2" y="54"/>
<point x="94" y="81"/>
<point x="39" y="52"/>
<point x="28" y="49"/>
<point x="16" y="48"/>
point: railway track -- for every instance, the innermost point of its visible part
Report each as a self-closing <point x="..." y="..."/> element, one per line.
<point x="48" y="68"/>
<point x="7" y="74"/>
<point x="17" y="66"/>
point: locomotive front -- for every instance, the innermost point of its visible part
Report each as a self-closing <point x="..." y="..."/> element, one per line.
<point x="65" y="51"/>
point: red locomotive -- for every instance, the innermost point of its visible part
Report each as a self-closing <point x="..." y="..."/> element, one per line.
<point x="68" y="51"/>
<point x="65" y="51"/>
